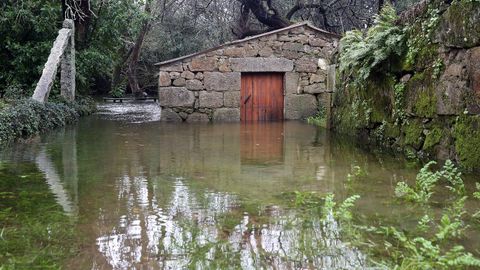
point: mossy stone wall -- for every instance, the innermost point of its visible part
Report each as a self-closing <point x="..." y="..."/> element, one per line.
<point x="428" y="104"/>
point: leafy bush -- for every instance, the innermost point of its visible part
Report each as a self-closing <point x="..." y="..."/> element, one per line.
<point x="26" y="117"/>
<point x="361" y="54"/>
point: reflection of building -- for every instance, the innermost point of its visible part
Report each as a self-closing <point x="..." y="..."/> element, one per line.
<point x="241" y="155"/>
<point x="155" y="197"/>
<point x="262" y="143"/>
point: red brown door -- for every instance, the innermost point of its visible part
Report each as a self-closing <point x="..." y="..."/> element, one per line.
<point x="261" y="97"/>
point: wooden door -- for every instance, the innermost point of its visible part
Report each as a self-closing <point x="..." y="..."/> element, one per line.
<point x="261" y="97"/>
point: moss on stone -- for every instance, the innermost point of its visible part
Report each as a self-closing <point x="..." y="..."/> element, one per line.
<point x="391" y="130"/>
<point x="378" y="94"/>
<point x="459" y="24"/>
<point x="467" y="140"/>
<point x="420" y="92"/>
<point x="426" y="56"/>
<point x="413" y="134"/>
<point x="426" y="103"/>
<point x="432" y="138"/>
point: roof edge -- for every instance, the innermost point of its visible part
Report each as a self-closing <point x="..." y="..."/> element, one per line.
<point x="308" y="24"/>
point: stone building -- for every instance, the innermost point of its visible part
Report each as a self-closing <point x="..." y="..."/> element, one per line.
<point x="282" y="74"/>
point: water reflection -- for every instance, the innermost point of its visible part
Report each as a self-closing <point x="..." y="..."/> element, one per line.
<point x="162" y="196"/>
<point x="186" y="233"/>
<point x="64" y="184"/>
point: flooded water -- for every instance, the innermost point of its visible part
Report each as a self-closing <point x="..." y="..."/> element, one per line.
<point x="152" y="195"/>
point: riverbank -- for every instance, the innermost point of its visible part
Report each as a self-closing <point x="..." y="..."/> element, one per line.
<point x="25" y="117"/>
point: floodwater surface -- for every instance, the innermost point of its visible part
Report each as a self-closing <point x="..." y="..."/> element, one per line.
<point x="152" y="195"/>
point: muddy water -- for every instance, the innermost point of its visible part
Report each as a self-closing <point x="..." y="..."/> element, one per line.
<point x="151" y="195"/>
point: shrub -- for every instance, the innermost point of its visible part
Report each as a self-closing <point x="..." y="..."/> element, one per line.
<point x="26" y="117"/>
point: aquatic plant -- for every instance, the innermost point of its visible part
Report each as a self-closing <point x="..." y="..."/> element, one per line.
<point x="428" y="247"/>
<point x="356" y="172"/>
<point x="476" y="195"/>
<point x="426" y="181"/>
<point x="326" y="205"/>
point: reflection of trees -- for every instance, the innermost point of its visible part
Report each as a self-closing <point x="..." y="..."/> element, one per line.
<point x="186" y="233"/>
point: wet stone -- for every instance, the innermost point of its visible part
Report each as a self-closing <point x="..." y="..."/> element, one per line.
<point x="194" y="85"/>
<point x="231" y="99"/>
<point x="168" y="115"/>
<point x="198" y="117"/>
<point x="179" y="82"/>
<point x="226" y="115"/>
<point x="203" y="64"/>
<point x="217" y="81"/>
<point x="164" y="79"/>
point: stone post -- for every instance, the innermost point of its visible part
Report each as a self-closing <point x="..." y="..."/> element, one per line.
<point x="67" y="75"/>
<point x="57" y="54"/>
<point x="331" y="76"/>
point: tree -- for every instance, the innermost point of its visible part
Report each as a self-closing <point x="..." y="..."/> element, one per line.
<point x="136" y="50"/>
<point x="333" y="15"/>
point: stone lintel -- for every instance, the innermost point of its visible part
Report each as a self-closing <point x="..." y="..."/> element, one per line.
<point x="260" y="64"/>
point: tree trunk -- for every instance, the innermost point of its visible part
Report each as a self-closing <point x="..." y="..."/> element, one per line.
<point x="136" y="50"/>
<point x="266" y="13"/>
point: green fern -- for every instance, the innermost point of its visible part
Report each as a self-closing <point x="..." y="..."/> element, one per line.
<point x="361" y="54"/>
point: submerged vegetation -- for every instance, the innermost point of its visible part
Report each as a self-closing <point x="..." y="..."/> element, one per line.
<point x="34" y="231"/>
<point x="426" y="246"/>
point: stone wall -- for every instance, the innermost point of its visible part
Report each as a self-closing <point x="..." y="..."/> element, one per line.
<point x="206" y="86"/>
<point x="430" y="107"/>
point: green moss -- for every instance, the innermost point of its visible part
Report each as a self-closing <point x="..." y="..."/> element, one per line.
<point x="391" y="130"/>
<point x="378" y="97"/>
<point x="413" y="134"/>
<point x="467" y="140"/>
<point x="426" y="104"/>
<point x="426" y="55"/>
<point x="421" y="94"/>
<point x="433" y="138"/>
<point x="459" y="25"/>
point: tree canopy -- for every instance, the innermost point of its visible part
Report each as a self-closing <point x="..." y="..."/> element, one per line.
<point x="118" y="41"/>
